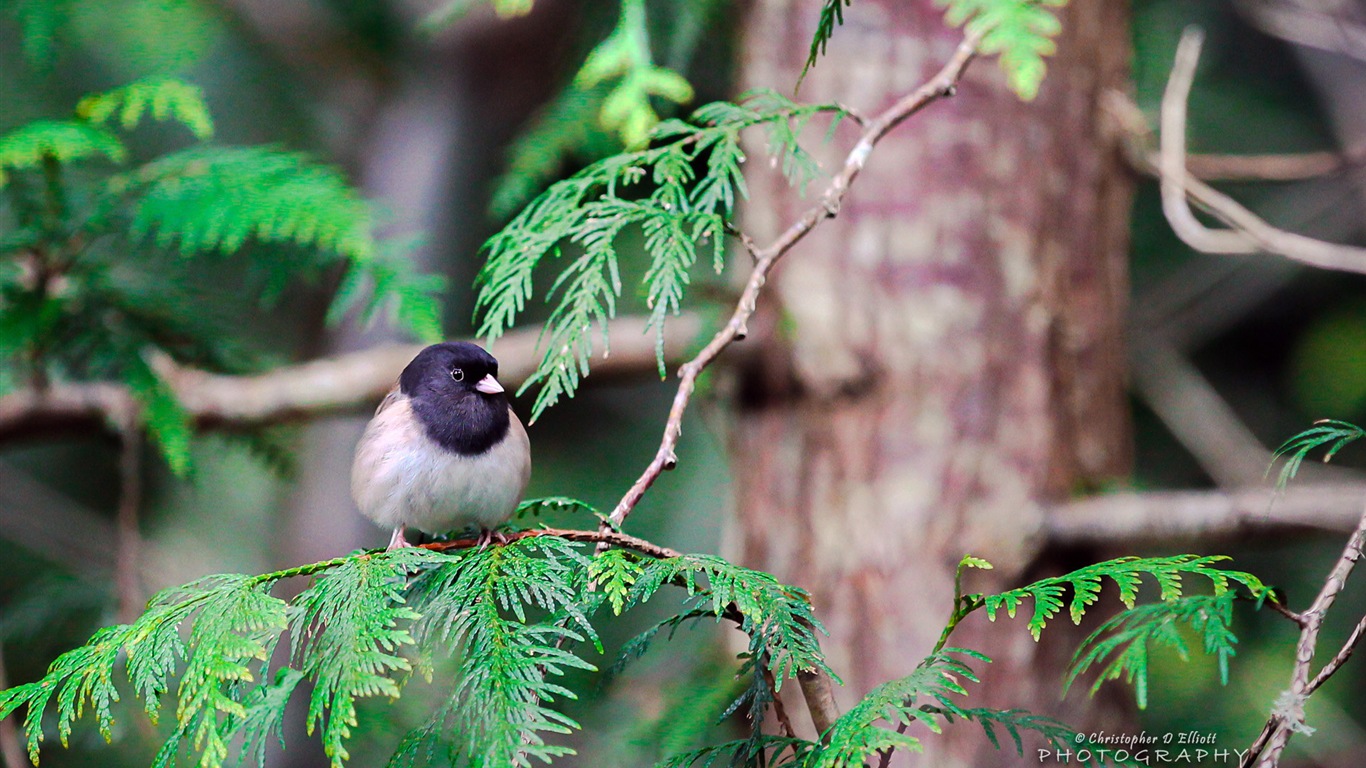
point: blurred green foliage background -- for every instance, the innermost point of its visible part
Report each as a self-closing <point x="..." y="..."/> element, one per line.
<point x="434" y="115"/>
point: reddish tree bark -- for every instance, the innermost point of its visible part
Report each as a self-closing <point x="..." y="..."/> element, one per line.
<point x="944" y="358"/>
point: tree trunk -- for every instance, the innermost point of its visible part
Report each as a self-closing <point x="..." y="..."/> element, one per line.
<point x="945" y="358"/>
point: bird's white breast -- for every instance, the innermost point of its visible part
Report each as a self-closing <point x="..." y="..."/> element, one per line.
<point x="401" y="477"/>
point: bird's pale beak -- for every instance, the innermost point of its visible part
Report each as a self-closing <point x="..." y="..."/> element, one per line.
<point x="488" y="385"/>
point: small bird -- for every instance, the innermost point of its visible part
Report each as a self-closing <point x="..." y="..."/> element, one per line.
<point x="444" y="450"/>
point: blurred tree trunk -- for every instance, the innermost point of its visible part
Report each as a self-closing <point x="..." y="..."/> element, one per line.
<point x="946" y="357"/>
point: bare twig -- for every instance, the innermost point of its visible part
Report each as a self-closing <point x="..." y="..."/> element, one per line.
<point x="1196" y="415"/>
<point x="1140" y="140"/>
<point x="308" y="389"/>
<point x="1304" y="24"/>
<point x="938" y="87"/>
<point x="1248" y="233"/>
<point x="779" y="711"/>
<point x="1288" y="714"/>
<point x="1339" y="659"/>
<point x="1300" y="166"/>
<point x="613" y="538"/>
<point x="128" y="564"/>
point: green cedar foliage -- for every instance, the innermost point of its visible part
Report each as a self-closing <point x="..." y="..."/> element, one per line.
<point x="516" y="618"/>
<point x="609" y="104"/>
<point x="87" y="242"/>
<point x="1330" y="432"/>
<point x="676" y="194"/>
<point x="680" y="194"/>
<point x="1126" y="573"/>
<point x="1020" y="31"/>
<point x="512" y="614"/>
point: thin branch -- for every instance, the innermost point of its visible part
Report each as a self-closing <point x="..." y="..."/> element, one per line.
<point x="1301" y="166"/>
<point x="343" y="382"/>
<point x="819" y="692"/>
<point x="1248" y="233"/>
<point x="128" y="563"/>
<point x="1338" y="660"/>
<point x="613" y="538"/>
<point x="1129" y="519"/>
<point x="1194" y="412"/>
<point x="1313" y="27"/>
<point x="940" y="86"/>
<point x="779" y="711"/>
<point x="1288" y="714"/>
<point x="1141" y="154"/>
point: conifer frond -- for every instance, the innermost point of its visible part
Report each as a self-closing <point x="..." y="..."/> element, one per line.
<point x="657" y="191"/>
<point x="347" y="635"/>
<point x="786" y="752"/>
<point x="624" y="58"/>
<point x="1122" y="644"/>
<point x="162" y="414"/>
<point x="41" y="24"/>
<point x="390" y="279"/>
<point x="1126" y="573"/>
<point x="536" y="507"/>
<point x="484" y="603"/>
<point x="236" y="623"/>
<point x="777" y="616"/>
<point x="1059" y="736"/>
<point x="1020" y="31"/>
<point x="614" y="572"/>
<point x="856" y="734"/>
<point x="778" y="619"/>
<point x="60" y="141"/>
<point x="832" y="15"/>
<point x="215" y="198"/>
<point x="164" y="98"/>
<point x="1331" y="432"/>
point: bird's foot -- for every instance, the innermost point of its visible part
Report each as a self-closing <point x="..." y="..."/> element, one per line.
<point x="487" y="537"/>
<point x="397" y="541"/>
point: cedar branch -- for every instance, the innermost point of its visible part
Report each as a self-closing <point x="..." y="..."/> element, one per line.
<point x="344" y="382"/>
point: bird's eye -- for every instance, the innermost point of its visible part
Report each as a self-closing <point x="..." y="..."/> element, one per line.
<point x="458" y="374"/>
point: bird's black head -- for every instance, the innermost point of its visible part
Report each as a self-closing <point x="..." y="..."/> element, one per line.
<point x="455" y="394"/>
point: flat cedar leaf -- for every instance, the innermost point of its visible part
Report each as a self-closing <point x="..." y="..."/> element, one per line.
<point x="59" y="141"/>
<point x="164" y="98"/>
<point x="831" y="16"/>
<point x="678" y="193"/>
<point x="1020" y="32"/>
<point x="163" y="414"/>
<point x="216" y="198"/>
<point x="1326" y="432"/>
<point x="856" y="735"/>
<point x="1121" y="646"/>
<point x="1126" y="573"/>
<point x="347" y="631"/>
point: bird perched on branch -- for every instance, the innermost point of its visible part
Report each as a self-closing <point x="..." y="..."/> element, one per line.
<point x="444" y="450"/>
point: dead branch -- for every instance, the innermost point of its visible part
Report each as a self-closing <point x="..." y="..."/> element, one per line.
<point x="344" y="382"/>
<point x="1287" y="717"/>
<point x="1197" y="416"/>
<point x="128" y="562"/>
<point x="1248" y="233"/>
<point x="1167" y="516"/>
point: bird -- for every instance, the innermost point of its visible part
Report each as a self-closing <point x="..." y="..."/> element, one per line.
<point x="444" y="450"/>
